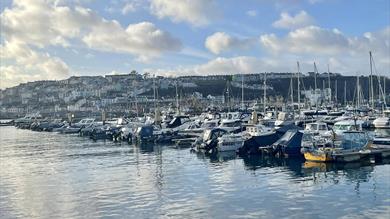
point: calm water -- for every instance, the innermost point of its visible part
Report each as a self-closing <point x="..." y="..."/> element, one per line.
<point x="47" y="175"/>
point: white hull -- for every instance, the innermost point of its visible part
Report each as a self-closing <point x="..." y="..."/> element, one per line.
<point x="232" y="147"/>
<point x="382" y="123"/>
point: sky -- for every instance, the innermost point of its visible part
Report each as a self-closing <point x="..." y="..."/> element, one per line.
<point x="56" y="39"/>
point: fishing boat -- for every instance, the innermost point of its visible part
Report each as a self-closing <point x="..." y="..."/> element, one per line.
<point x="341" y="127"/>
<point x="320" y="155"/>
<point x="353" y="147"/>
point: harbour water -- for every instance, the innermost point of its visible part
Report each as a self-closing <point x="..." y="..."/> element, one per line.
<point x="48" y="175"/>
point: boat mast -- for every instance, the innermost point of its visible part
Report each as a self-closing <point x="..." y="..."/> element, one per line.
<point x="345" y="93"/>
<point x="242" y="92"/>
<point x="379" y="86"/>
<point x="357" y="92"/>
<point x="315" y="85"/>
<point x="177" y="100"/>
<point x="299" y="92"/>
<point x="154" y="92"/>
<point x="292" y="88"/>
<point x="384" y="88"/>
<point x="335" y="95"/>
<point x="330" y="91"/>
<point x="265" y="92"/>
<point x="371" y="83"/>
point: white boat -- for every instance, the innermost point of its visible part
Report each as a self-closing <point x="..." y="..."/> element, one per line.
<point x="196" y="130"/>
<point x="383" y="122"/>
<point x="76" y="127"/>
<point x="341" y="127"/>
<point x="284" y="119"/>
<point x="231" y="125"/>
<point x="230" y="142"/>
<point x="318" y="128"/>
<point x="257" y="130"/>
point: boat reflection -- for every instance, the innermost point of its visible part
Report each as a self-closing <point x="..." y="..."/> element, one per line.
<point x="254" y="162"/>
<point x="216" y="157"/>
<point x="299" y="168"/>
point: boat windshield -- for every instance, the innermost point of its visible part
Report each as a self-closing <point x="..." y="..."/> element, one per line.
<point x="209" y="125"/>
<point x="312" y="127"/>
<point x="354" y="140"/>
<point x="342" y="127"/>
<point x="323" y="127"/>
<point x="231" y="124"/>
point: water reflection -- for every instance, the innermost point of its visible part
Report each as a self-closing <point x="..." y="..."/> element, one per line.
<point x="69" y="176"/>
<point x="296" y="167"/>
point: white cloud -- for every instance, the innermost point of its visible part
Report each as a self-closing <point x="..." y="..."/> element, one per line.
<point x="128" y="7"/>
<point x="142" y="39"/>
<point x="220" y="42"/>
<point x="29" y="65"/>
<point x="310" y="39"/>
<point x="251" y="13"/>
<point x="287" y="21"/>
<point x="325" y="46"/>
<point x="195" y="12"/>
<point x="347" y="54"/>
<point x="41" y="23"/>
<point x="322" y="41"/>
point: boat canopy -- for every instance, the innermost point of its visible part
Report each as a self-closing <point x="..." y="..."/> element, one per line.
<point x="354" y="140"/>
<point x="292" y="138"/>
<point x="177" y="121"/>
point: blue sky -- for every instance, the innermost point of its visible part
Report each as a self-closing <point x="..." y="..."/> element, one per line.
<point x="54" y="39"/>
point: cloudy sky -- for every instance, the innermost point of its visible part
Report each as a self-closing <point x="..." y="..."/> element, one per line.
<point x="54" y="39"/>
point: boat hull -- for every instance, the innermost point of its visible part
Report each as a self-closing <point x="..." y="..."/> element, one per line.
<point x="318" y="157"/>
<point x="349" y="157"/>
<point x="233" y="147"/>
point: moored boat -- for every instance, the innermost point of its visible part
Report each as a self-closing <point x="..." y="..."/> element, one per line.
<point x="230" y="142"/>
<point x="353" y="147"/>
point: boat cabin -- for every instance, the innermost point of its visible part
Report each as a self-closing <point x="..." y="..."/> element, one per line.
<point x="316" y="127"/>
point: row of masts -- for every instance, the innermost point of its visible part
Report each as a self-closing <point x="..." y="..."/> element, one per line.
<point x="359" y="93"/>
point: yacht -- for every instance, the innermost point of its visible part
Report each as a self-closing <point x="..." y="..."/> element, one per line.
<point x="195" y="129"/>
<point x="231" y="125"/>
<point x="230" y="142"/>
<point x="383" y="122"/>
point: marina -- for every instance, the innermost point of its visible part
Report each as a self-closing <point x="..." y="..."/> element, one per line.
<point x="195" y="109"/>
<point x="168" y="157"/>
<point x="46" y="174"/>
